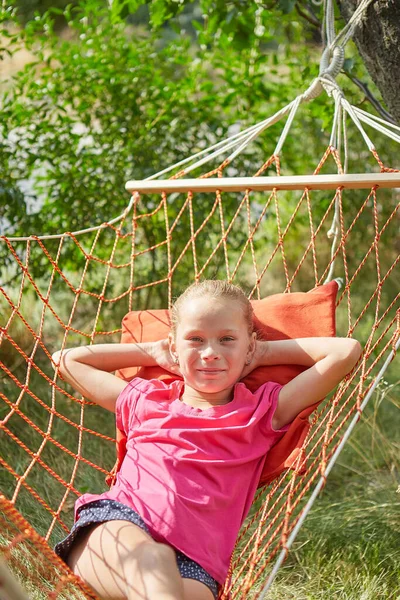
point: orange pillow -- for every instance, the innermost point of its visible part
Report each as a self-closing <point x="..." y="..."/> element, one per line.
<point x="277" y="317"/>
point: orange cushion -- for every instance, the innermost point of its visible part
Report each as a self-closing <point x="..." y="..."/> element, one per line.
<point x="277" y="317"/>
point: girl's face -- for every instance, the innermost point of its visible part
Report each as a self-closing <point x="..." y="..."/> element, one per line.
<point x="212" y="344"/>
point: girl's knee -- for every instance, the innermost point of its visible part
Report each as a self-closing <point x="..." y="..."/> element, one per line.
<point x="151" y="554"/>
<point x="157" y="569"/>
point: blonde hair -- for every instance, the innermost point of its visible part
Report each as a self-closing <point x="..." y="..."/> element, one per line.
<point x="214" y="288"/>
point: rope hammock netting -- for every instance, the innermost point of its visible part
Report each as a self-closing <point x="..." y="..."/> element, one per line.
<point x="57" y="445"/>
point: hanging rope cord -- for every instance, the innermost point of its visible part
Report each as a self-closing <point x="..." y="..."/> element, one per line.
<point x="331" y="63"/>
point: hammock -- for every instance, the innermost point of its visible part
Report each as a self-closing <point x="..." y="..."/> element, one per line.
<point x="57" y="445"/>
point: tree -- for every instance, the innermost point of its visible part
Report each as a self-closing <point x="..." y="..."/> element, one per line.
<point x="377" y="37"/>
<point x="378" y="41"/>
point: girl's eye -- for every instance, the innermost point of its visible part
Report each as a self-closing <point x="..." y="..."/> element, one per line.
<point x="195" y="339"/>
<point x="228" y="339"/>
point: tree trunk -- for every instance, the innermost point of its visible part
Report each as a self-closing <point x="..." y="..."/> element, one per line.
<point x="378" y="40"/>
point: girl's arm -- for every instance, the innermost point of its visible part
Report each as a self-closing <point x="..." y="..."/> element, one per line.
<point x="329" y="360"/>
<point x="89" y="368"/>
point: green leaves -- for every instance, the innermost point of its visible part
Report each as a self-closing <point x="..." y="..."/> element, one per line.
<point x="120" y="9"/>
<point x="105" y="103"/>
<point x="287" y="6"/>
<point x="160" y="10"/>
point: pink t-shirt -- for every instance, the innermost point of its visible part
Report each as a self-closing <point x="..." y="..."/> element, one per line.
<point x="191" y="473"/>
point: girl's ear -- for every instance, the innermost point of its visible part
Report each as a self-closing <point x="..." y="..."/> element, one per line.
<point x="253" y="340"/>
<point x="252" y="345"/>
<point x="171" y="342"/>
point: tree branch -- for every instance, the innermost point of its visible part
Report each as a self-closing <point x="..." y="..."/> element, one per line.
<point x="369" y="95"/>
<point x="308" y="17"/>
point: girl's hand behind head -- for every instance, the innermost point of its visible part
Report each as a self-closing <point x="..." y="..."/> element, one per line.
<point x="161" y="353"/>
<point x="257" y="359"/>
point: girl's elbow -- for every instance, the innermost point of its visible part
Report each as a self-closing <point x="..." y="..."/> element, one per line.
<point x="354" y="350"/>
<point x="59" y="359"/>
<point x="55" y="357"/>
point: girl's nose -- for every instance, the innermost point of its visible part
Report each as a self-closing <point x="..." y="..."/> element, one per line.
<point x="209" y="353"/>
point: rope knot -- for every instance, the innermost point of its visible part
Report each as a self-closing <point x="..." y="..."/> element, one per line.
<point x="313" y="91"/>
<point x="330" y="85"/>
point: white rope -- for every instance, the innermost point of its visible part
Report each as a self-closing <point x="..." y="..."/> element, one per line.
<point x="335" y="133"/>
<point x="329" y="22"/>
<point x="390" y="134"/>
<point x="271" y="121"/>
<point x="376" y="118"/>
<point x="324" y="13"/>
<point x="348" y="30"/>
<point x="288" y="125"/>
<point x="322" y="480"/>
<point x="66" y="235"/>
<point x="227" y="143"/>
<point x="348" y="107"/>
<point x="345" y="145"/>
<point x="207" y="158"/>
<point x="339" y="129"/>
<point x="267" y="123"/>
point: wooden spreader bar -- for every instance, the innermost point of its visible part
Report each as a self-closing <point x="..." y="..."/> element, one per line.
<point x="239" y="184"/>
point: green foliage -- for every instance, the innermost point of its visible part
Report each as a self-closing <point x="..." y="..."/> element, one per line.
<point x="103" y="103"/>
<point x="28" y="9"/>
<point x="106" y="102"/>
<point x="99" y="102"/>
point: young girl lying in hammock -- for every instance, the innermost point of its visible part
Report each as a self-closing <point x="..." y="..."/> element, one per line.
<point x="195" y="450"/>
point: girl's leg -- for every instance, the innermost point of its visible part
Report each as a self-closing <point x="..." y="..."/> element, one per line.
<point x="121" y="561"/>
<point x="195" y="590"/>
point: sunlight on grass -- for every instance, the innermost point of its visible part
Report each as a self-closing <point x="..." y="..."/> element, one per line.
<point x="37" y="576"/>
<point x="349" y="546"/>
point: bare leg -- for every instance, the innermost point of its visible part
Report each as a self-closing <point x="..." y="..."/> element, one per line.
<point x="120" y="561"/>
<point x="157" y="568"/>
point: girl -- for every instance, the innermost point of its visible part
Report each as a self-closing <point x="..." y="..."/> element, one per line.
<point x="195" y="449"/>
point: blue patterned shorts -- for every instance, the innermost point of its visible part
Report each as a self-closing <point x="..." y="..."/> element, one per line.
<point x="100" y="511"/>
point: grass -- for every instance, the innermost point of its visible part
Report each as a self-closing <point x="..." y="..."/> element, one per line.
<point x="37" y="576"/>
<point x="349" y="545"/>
<point x="348" y="548"/>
